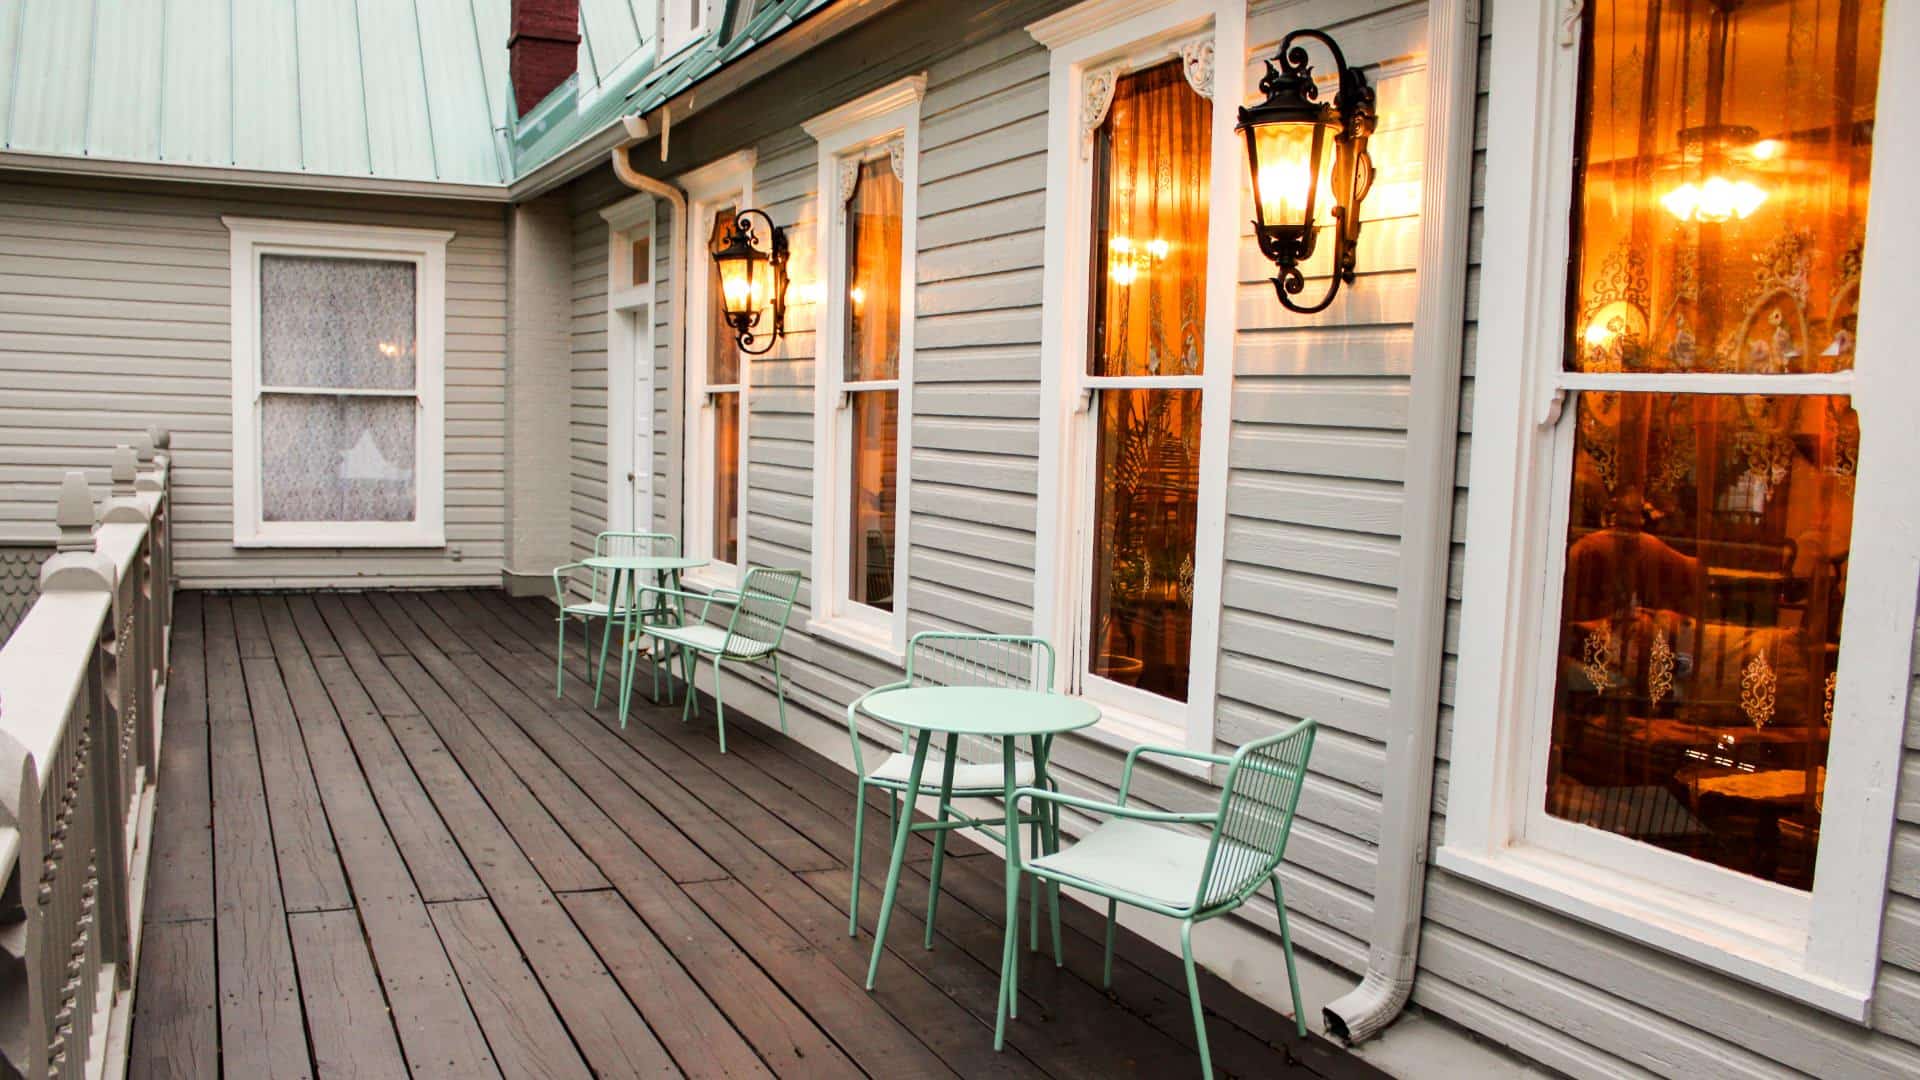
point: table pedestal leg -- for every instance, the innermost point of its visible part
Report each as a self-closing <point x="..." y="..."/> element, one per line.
<point x="1010" y="949"/>
<point x="902" y="830"/>
<point x="1049" y="825"/>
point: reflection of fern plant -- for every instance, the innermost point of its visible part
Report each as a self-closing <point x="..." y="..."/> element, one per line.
<point x="1150" y="452"/>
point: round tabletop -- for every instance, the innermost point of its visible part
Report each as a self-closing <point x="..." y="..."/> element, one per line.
<point x="994" y="711"/>
<point x="643" y="562"/>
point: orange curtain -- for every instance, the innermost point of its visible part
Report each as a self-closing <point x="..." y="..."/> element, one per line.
<point x="873" y="273"/>
<point x="1150" y="236"/>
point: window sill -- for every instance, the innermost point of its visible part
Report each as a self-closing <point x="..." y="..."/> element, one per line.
<point x="1766" y="954"/>
<point x="1123" y="730"/>
<point x="409" y="538"/>
<point x="860" y="636"/>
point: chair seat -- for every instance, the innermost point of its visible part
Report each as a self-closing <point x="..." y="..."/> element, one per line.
<point x="986" y="777"/>
<point x="1139" y="858"/>
<point x="707" y="638"/>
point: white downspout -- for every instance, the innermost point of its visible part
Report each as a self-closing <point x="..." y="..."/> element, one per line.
<point x="1453" y="42"/>
<point x="677" y="260"/>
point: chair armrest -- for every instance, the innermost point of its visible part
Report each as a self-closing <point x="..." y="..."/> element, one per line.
<point x="561" y="574"/>
<point x="1095" y="806"/>
<point x="1134" y="755"/>
<point x="853" y="726"/>
<point x="706" y="600"/>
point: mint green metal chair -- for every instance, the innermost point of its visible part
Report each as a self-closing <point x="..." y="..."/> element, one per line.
<point x="752" y="635"/>
<point x="1139" y="858"/>
<point x="600" y="604"/>
<point x="939" y="658"/>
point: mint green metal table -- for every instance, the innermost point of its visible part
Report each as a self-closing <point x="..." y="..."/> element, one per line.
<point x="626" y="571"/>
<point x="994" y="712"/>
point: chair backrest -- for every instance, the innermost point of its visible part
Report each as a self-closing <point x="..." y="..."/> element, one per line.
<point x="760" y="619"/>
<point x="1256" y="815"/>
<point x="636" y="543"/>
<point x="943" y="658"/>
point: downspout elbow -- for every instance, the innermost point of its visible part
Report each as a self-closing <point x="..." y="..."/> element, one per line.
<point x="1362" y="1012"/>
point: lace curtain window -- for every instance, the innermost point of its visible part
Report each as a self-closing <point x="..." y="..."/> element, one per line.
<point x="1718" y="232"/>
<point x="870" y="377"/>
<point x="338" y="389"/>
<point x="1152" y="160"/>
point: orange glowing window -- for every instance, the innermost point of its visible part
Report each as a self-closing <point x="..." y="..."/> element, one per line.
<point x="870" y="377"/>
<point x="1722" y="169"/>
<point x="1152" y="172"/>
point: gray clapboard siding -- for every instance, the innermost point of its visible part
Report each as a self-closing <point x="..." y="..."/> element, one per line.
<point x="114" y="314"/>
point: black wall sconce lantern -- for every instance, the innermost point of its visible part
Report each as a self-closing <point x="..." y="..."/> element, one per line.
<point x="753" y="282"/>
<point x="1310" y="165"/>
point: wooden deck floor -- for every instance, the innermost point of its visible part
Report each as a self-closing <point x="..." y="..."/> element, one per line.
<point x="383" y="848"/>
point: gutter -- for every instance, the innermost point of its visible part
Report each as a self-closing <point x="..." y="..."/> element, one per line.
<point x="1453" y="44"/>
<point x="633" y="131"/>
<point x="761" y="59"/>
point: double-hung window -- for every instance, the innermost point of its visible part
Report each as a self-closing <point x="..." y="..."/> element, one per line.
<point x="868" y="156"/>
<point x="1681" y="679"/>
<point x="338" y="338"/>
<point x="1142" y="236"/>
<point x="718" y="379"/>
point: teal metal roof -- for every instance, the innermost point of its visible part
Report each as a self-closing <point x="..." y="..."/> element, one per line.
<point x="397" y="89"/>
<point x="413" y="90"/>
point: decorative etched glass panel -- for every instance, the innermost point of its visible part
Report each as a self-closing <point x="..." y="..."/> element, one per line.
<point x="1145" y="515"/>
<point x="1721" y="206"/>
<point x="873" y="274"/>
<point x="1723" y="185"/>
<point x="327" y="457"/>
<point x="1153" y="168"/>
<point x="876" y="440"/>
<point x="337" y="323"/>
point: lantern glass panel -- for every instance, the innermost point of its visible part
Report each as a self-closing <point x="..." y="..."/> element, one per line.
<point x="1292" y="184"/>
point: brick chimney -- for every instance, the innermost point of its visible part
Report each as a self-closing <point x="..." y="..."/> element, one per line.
<point x="542" y="48"/>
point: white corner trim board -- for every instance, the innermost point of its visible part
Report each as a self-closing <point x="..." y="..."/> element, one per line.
<point x="426" y="249"/>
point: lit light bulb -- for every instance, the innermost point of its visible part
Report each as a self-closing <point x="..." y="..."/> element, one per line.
<point x="1158" y="248"/>
<point x="857" y="294"/>
<point x="1599" y="334"/>
<point x="1123" y="273"/>
<point x="737" y="290"/>
<point x="1766" y="149"/>
<point x="1121" y="245"/>
<point x="1718" y="199"/>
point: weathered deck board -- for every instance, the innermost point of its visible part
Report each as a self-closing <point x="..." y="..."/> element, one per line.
<point x="346" y="1012"/>
<point x="519" y="887"/>
<point x="179" y="1004"/>
<point x="261" y="1028"/>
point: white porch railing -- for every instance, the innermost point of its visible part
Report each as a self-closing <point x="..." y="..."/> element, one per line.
<point x="81" y="685"/>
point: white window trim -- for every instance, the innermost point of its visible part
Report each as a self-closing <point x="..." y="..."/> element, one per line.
<point x="855" y="131"/>
<point x="726" y="182"/>
<point x="427" y="250"/>
<point x="1085" y="39"/>
<point x="1825" y="950"/>
<point x="630" y="309"/>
